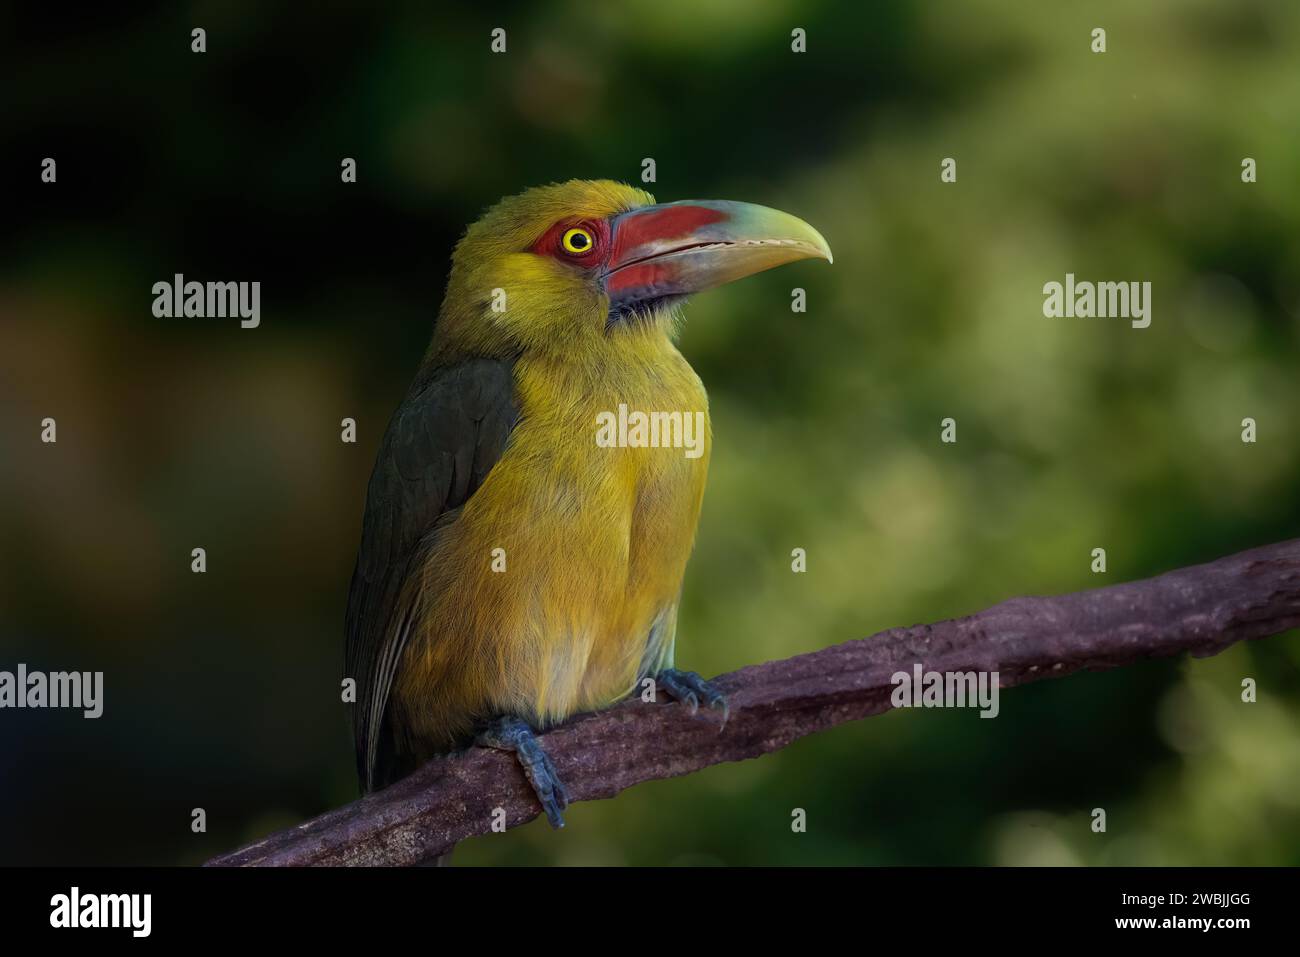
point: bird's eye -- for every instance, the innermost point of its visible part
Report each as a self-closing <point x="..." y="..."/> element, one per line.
<point x="577" y="241"/>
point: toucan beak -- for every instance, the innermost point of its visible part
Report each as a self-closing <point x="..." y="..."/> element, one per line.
<point x="675" y="249"/>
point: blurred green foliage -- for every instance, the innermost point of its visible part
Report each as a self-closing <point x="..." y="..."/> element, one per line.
<point x="222" y="689"/>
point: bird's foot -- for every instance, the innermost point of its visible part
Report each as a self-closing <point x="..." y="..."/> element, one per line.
<point x="514" y="734"/>
<point x="690" y="689"/>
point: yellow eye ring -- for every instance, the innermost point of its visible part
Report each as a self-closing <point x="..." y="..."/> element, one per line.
<point x="577" y="241"/>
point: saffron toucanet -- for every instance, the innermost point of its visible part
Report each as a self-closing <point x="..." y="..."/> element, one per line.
<point x="512" y="571"/>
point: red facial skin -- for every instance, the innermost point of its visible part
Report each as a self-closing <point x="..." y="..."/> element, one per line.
<point x="551" y="244"/>
<point x="660" y="225"/>
<point x="640" y="236"/>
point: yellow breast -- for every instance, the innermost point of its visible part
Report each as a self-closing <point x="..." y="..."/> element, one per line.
<point x="556" y="587"/>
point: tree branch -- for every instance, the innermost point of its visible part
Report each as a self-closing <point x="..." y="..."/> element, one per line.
<point x="1202" y="609"/>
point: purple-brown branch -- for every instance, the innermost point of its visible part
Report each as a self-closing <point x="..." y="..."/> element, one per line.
<point x="1202" y="609"/>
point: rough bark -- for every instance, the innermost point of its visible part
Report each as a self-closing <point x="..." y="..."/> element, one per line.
<point x="1201" y="609"/>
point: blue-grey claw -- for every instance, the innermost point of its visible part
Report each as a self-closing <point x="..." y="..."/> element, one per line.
<point x="514" y="734"/>
<point x="689" y="688"/>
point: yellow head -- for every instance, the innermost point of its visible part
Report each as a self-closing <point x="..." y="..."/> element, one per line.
<point x="561" y="268"/>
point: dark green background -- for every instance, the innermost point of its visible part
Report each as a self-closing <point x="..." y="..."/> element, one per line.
<point x="222" y="689"/>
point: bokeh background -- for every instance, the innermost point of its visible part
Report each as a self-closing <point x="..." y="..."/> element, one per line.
<point x="222" y="689"/>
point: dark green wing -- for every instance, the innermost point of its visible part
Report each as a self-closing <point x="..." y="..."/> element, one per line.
<point x="446" y="436"/>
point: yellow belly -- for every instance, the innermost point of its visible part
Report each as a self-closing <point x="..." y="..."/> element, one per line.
<point x="556" y="587"/>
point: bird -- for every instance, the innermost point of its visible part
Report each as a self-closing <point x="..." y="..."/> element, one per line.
<point x="512" y="571"/>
